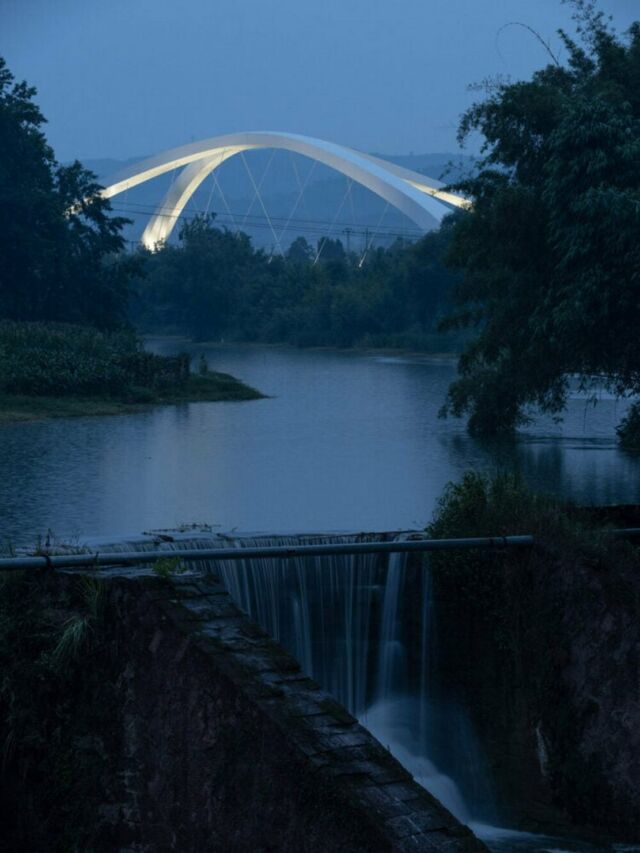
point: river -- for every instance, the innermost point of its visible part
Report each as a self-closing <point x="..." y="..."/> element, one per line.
<point x="345" y="441"/>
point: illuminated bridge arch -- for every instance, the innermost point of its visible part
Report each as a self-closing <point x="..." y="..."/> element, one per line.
<point x="420" y="198"/>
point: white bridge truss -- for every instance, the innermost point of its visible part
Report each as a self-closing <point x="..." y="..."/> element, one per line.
<point x="420" y="198"/>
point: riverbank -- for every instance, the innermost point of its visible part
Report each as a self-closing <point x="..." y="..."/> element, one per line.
<point x="186" y="342"/>
<point x="212" y="388"/>
<point x="59" y="370"/>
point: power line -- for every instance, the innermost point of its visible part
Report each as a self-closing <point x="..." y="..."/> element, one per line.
<point x="321" y="232"/>
<point x="160" y="211"/>
<point x="316" y="226"/>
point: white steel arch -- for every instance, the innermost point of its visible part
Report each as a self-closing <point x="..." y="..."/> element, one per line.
<point x="420" y="198"/>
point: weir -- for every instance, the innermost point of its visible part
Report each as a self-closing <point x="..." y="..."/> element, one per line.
<point x="451" y="673"/>
<point x="361" y="625"/>
<point x="464" y="672"/>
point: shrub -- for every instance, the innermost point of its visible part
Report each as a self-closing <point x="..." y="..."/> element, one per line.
<point x="480" y="505"/>
<point x="165" y="567"/>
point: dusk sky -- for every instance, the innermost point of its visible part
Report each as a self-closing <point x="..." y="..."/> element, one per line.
<point x="132" y="77"/>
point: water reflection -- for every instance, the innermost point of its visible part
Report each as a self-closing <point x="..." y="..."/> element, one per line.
<point x="346" y="441"/>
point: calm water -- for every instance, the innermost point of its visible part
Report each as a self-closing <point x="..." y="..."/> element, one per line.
<point x="345" y="442"/>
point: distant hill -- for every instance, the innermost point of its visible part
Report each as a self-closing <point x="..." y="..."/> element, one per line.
<point x="326" y="207"/>
<point x="444" y="167"/>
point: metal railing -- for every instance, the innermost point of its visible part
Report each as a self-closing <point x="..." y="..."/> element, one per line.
<point x="135" y="558"/>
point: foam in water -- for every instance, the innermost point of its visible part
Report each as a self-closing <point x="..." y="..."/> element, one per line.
<point x="392" y="722"/>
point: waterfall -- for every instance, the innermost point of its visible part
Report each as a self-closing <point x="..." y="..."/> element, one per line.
<point x="398" y="716"/>
<point x="361" y="625"/>
<point x="392" y="653"/>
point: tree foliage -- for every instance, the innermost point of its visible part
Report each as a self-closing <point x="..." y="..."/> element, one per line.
<point x="550" y="256"/>
<point x="213" y="284"/>
<point x="60" y="251"/>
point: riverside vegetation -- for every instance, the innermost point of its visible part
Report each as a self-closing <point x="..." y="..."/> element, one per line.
<point x="549" y="259"/>
<point x="214" y="284"/>
<point x="52" y="652"/>
<point x="59" y="370"/>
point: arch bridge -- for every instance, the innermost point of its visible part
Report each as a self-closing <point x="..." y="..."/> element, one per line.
<point x="422" y="199"/>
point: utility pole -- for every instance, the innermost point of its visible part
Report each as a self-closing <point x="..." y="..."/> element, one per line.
<point x="348" y="231"/>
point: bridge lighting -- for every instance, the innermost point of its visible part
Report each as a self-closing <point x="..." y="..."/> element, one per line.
<point x="420" y="198"/>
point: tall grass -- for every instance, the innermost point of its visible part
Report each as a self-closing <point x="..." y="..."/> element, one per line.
<point x="61" y="360"/>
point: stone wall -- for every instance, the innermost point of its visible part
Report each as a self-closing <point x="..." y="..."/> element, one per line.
<point x="543" y="649"/>
<point x="192" y="730"/>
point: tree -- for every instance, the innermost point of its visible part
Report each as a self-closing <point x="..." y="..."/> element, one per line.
<point x="299" y="252"/>
<point x="210" y="269"/>
<point x="215" y="284"/>
<point x="549" y="255"/>
<point x="196" y="286"/>
<point x="60" y="251"/>
<point x="428" y="282"/>
<point x="331" y="251"/>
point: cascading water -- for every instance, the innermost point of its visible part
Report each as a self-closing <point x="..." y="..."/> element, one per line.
<point x="362" y="627"/>
<point x="399" y="715"/>
<point x="353" y="624"/>
<point x="319" y="608"/>
<point x="391" y="654"/>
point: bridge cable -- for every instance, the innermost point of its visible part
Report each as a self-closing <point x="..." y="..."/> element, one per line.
<point x="369" y="243"/>
<point x="317" y="226"/>
<point x="223" y="196"/>
<point x="259" y="196"/>
<point x="309" y="174"/>
<point x="255" y="187"/>
<point x="138" y="208"/>
<point x="302" y="188"/>
<point x="191" y="202"/>
<point x="296" y="173"/>
<point x="333" y="222"/>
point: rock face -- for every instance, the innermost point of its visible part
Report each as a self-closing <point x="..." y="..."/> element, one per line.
<point x="543" y="648"/>
<point x="212" y="739"/>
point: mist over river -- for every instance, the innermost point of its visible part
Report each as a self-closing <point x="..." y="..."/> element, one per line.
<point x="346" y="441"/>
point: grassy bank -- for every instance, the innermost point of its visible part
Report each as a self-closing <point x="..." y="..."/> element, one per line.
<point x="64" y="371"/>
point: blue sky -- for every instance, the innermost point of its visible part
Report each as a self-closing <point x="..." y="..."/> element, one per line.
<point x="120" y="78"/>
